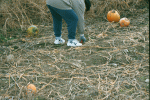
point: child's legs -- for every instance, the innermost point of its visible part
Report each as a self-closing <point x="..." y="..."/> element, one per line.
<point x="71" y="19"/>
<point x="57" y="22"/>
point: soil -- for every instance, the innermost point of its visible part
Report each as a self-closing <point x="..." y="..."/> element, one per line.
<point x="113" y="64"/>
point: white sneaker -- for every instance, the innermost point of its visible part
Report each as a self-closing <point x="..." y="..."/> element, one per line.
<point x="74" y="43"/>
<point x="59" y="41"/>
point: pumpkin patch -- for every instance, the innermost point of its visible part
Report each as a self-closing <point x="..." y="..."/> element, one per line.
<point x="112" y="64"/>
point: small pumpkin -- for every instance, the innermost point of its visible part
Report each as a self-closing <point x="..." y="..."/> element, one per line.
<point x="113" y="15"/>
<point x="32" y="31"/>
<point x="31" y="88"/>
<point x="124" y="22"/>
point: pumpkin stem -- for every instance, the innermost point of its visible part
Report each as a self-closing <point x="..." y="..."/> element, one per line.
<point x="113" y="11"/>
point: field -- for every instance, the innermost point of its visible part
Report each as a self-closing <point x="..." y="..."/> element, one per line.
<point x="113" y="64"/>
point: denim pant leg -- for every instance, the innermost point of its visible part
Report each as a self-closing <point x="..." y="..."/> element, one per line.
<point x="57" y="22"/>
<point x="70" y="18"/>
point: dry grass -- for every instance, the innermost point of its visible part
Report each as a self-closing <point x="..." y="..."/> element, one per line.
<point x="19" y="14"/>
<point x="112" y="65"/>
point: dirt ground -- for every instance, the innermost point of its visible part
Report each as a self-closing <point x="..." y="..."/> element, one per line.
<point x="112" y="65"/>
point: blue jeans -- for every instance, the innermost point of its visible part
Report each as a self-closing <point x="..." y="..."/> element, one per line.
<point x="70" y="18"/>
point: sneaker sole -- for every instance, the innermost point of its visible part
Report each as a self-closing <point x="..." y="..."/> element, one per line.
<point x="59" y="43"/>
<point x="74" y="45"/>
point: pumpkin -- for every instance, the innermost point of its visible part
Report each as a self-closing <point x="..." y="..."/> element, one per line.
<point x="32" y="31"/>
<point x="31" y="88"/>
<point x="124" y="22"/>
<point x="113" y="15"/>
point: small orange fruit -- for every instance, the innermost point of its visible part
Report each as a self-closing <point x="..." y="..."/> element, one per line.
<point x="31" y="88"/>
<point x="113" y="15"/>
<point x="124" y="22"/>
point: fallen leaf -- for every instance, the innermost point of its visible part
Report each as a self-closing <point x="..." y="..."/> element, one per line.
<point x="102" y="35"/>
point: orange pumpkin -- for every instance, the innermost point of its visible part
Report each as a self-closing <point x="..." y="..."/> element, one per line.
<point x="124" y="22"/>
<point x="113" y="15"/>
<point x="31" y="88"/>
